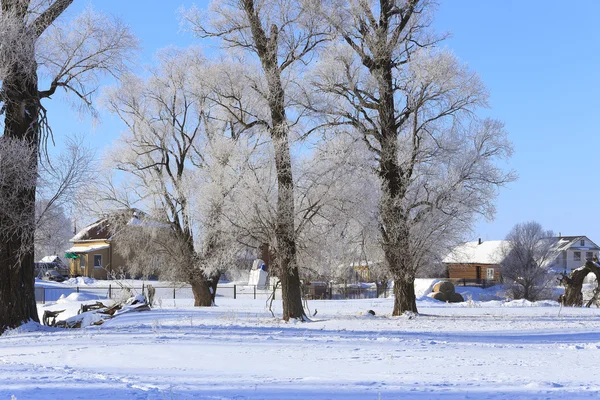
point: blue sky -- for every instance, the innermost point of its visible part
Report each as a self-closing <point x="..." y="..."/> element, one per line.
<point x="539" y="59"/>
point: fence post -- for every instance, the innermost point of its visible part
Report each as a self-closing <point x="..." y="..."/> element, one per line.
<point x="77" y="289"/>
<point x="142" y="287"/>
<point x="173" y="293"/>
<point x="44" y="296"/>
<point x="110" y="291"/>
<point x="234" y="292"/>
<point x="254" y="292"/>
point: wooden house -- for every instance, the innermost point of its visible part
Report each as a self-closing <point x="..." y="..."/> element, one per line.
<point x="476" y="262"/>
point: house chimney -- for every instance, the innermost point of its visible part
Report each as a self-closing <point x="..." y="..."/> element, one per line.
<point x="480" y="241"/>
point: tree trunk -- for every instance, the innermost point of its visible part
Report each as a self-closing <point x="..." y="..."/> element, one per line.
<point x="395" y="179"/>
<point x="382" y="287"/>
<point x="285" y="232"/>
<point x="267" y="48"/>
<point x="404" y="295"/>
<point x="202" y="294"/>
<point x="574" y="282"/>
<point x="17" y="290"/>
<point x="213" y="282"/>
<point x="395" y="231"/>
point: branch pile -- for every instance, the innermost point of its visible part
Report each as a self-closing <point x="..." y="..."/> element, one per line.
<point x="96" y="314"/>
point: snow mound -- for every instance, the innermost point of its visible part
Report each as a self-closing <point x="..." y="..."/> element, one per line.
<point x="527" y="303"/>
<point x="496" y="292"/>
<point x="81" y="280"/>
<point x="73" y="297"/>
<point x="424" y="286"/>
<point x="30" y="326"/>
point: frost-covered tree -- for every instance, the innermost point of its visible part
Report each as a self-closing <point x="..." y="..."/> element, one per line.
<point x="62" y="179"/>
<point x="53" y="230"/>
<point x="528" y="250"/>
<point x="38" y="55"/>
<point x="413" y="104"/>
<point x="180" y="159"/>
<point x="282" y="35"/>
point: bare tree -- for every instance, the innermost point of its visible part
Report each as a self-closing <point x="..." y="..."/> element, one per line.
<point x="282" y="34"/>
<point x="61" y="180"/>
<point x="181" y="156"/>
<point x="413" y="106"/>
<point x="32" y="44"/>
<point x="527" y="253"/>
<point x="53" y="230"/>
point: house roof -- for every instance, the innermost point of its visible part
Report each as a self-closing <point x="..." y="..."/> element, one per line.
<point x="53" y="259"/>
<point x="567" y="242"/>
<point x="103" y="229"/>
<point x="488" y="252"/>
<point x="96" y="231"/>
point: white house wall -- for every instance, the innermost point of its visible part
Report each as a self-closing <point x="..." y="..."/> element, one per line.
<point x="566" y="260"/>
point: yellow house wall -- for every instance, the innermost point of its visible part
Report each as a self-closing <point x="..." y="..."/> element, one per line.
<point x="98" y="272"/>
<point x="88" y="258"/>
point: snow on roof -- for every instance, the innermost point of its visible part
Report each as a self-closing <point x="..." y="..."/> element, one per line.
<point x="566" y="242"/>
<point x="52" y="259"/>
<point x="87" y="249"/>
<point x="85" y="231"/>
<point x="104" y="228"/>
<point x="488" y="252"/>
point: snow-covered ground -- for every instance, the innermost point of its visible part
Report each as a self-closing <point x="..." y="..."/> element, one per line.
<point x="477" y="350"/>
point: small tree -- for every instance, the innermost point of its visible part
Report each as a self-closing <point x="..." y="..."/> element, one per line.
<point x="527" y="252"/>
<point x="59" y="186"/>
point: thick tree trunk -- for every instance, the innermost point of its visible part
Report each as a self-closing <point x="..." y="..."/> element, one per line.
<point x="396" y="248"/>
<point x="394" y="226"/>
<point x="285" y="231"/>
<point x="395" y="179"/>
<point x="292" y="296"/>
<point x="202" y="294"/>
<point x="17" y="291"/>
<point x="404" y="295"/>
<point x="574" y="283"/>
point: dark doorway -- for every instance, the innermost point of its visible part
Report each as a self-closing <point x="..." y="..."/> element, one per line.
<point x="478" y="273"/>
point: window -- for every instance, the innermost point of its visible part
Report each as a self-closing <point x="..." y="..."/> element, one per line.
<point x="82" y="261"/>
<point x="576" y="256"/>
<point x="589" y="255"/>
<point x="490" y="274"/>
<point x="582" y="242"/>
<point x="97" y="261"/>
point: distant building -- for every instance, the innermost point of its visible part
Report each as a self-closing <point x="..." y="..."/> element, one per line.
<point x="476" y="262"/>
<point x="571" y="252"/>
<point x="479" y="262"/>
<point x="93" y="252"/>
<point x="54" y="262"/>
